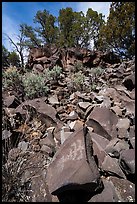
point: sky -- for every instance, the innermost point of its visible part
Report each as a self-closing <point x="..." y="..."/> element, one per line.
<point x="16" y="13"/>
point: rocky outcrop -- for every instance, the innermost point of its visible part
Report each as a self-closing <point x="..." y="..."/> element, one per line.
<point x="49" y="56"/>
<point x="72" y="145"/>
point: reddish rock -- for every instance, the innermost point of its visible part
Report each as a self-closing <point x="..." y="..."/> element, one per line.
<point x="111" y="166"/>
<point x="124" y="188"/>
<point x="103" y="142"/>
<point x="99" y="152"/>
<point x="47" y="113"/>
<point x="72" y="116"/>
<point x="84" y="105"/>
<point x="127" y="161"/>
<point x="11" y="101"/>
<point x="108" y="194"/>
<point x="38" y="68"/>
<point x="123" y="123"/>
<point x="115" y="146"/>
<point x="76" y="125"/>
<point x="73" y="167"/>
<point x="103" y="122"/>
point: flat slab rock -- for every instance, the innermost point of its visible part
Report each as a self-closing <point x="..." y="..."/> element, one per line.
<point x="103" y="122"/>
<point x="108" y="194"/>
<point x="125" y="189"/>
<point x="72" y="168"/>
<point x="127" y="161"/>
<point x="40" y="106"/>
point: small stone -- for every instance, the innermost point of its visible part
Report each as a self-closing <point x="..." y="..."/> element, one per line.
<point x="115" y="146"/>
<point x="6" y="134"/>
<point x="53" y="99"/>
<point x="72" y="96"/>
<point x="117" y="110"/>
<point x="46" y="149"/>
<point x="123" y="123"/>
<point x="72" y="116"/>
<point x="132" y="141"/>
<point x="106" y="102"/>
<point x="76" y="125"/>
<point x="111" y="165"/>
<point x="23" y="146"/>
<point x="123" y="189"/>
<point x="84" y="105"/>
<point x="107" y="195"/>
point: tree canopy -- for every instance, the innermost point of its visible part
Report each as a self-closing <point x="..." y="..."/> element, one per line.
<point x="73" y="28"/>
<point x="118" y="34"/>
<point x="9" y="58"/>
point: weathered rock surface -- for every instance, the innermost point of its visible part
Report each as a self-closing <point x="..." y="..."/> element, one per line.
<point x="45" y="150"/>
<point x="127" y="161"/>
<point x="104" y="118"/>
<point x="72" y="157"/>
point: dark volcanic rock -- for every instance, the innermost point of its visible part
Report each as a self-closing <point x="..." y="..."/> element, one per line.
<point x="73" y="166"/>
<point x="108" y="194"/>
<point x="11" y="101"/>
<point x="103" y="122"/>
<point x="111" y="166"/>
<point x="124" y="188"/>
<point x="129" y="82"/>
<point x="115" y="147"/>
<point x="127" y="161"/>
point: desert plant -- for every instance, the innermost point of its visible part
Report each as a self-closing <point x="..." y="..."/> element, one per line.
<point x="78" y="66"/>
<point x="78" y="80"/>
<point x="54" y="74"/>
<point x="34" y="85"/>
<point x="93" y="87"/>
<point x="11" y="79"/>
<point x="97" y="71"/>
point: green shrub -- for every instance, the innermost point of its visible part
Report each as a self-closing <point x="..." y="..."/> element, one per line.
<point x="78" y="66"/>
<point x="97" y="71"/>
<point x="78" y="80"/>
<point x="11" y="79"/>
<point x="34" y="85"/>
<point x="93" y="87"/>
<point x="53" y="74"/>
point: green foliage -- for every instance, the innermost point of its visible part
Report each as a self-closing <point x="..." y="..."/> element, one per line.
<point x="78" y="66"/>
<point x="65" y="19"/>
<point x="78" y="80"/>
<point x="47" y="30"/>
<point x="9" y="58"/>
<point x="14" y="59"/>
<point x="34" y="85"/>
<point x="5" y="57"/>
<point x="77" y="29"/>
<point x="53" y="74"/>
<point x="118" y="34"/>
<point x="94" y="23"/>
<point x="97" y="71"/>
<point x="93" y="87"/>
<point x="11" y="79"/>
<point x="30" y="37"/>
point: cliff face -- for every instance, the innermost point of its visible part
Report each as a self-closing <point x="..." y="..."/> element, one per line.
<point x="77" y="143"/>
<point x="42" y="58"/>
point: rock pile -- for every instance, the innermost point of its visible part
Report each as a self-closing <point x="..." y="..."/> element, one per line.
<point x="48" y="56"/>
<point x="72" y="146"/>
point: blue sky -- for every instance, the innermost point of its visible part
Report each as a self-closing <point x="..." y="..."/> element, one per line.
<point x="16" y="13"/>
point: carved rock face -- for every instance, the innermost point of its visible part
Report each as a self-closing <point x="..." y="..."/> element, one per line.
<point x="73" y="166"/>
